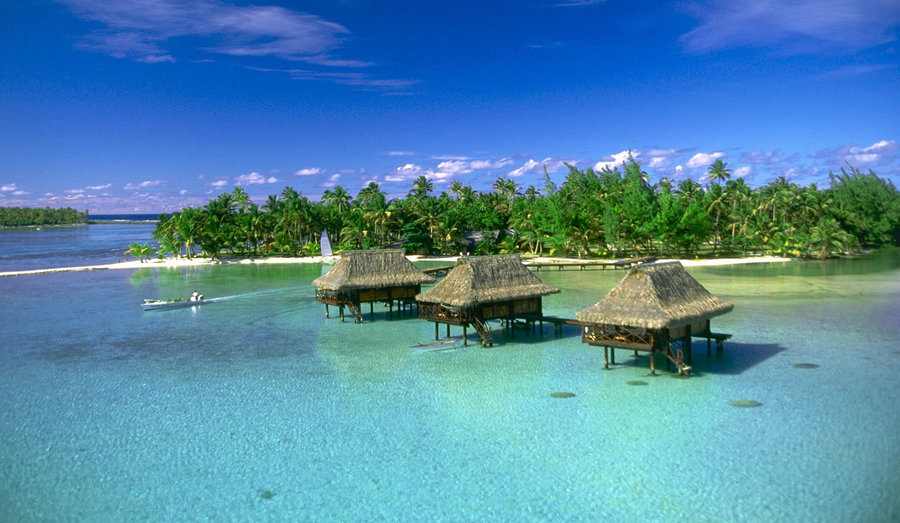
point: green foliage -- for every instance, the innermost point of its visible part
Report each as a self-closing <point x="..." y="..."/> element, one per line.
<point x="141" y="252"/>
<point x="868" y="207"/>
<point x="614" y="211"/>
<point x="26" y="216"/>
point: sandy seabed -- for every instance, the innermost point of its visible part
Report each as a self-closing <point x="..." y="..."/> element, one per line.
<point x="185" y="262"/>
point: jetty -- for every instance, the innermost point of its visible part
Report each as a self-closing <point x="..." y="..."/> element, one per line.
<point x="625" y="263"/>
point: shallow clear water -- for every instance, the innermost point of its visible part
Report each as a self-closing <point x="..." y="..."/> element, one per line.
<point x="259" y="408"/>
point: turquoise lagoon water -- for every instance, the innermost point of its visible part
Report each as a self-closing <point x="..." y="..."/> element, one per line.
<point x="258" y="408"/>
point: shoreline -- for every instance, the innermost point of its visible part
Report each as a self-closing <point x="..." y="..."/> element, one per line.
<point x="184" y="262"/>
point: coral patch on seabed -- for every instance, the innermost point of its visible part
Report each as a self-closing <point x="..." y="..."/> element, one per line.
<point x="637" y="383"/>
<point x="745" y="403"/>
<point x="562" y="394"/>
<point x="806" y="365"/>
<point x="266" y="494"/>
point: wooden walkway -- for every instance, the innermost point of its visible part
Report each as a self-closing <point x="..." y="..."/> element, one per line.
<point x="626" y="263"/>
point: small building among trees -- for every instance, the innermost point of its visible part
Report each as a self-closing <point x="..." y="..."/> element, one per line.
<point x="371" y="276"/>
<point x="653" y="306"/>
<point x="482" y="288"/>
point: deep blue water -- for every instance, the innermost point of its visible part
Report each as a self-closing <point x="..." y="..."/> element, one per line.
<point x="125" y="217"/>
<point x="258" y="408"/>
<point x="25" y="248"/>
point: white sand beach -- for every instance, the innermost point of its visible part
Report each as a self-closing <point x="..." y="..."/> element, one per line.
<point x="185" y="262"/>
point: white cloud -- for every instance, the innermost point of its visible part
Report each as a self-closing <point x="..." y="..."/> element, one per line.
<point x="742" y="172"/>
<point x="141" y="29"/>
<point x="450" y="157"/>
<point x="331" y="181"/>
<point x="799" y="26"/>
<point x="871" y="153"/>
<point x="183" y="192"/>
<point x="8" y="188"/>
<point x="144" y="184"/>
<point x="218" y="183"/>
<point x="452" y="168"/>
<point x="73" y="191"/>
<point x="98" y="187"/>
<point x="533" y="166"/>
<point x="615" y="160"/>
<point x="529" y="166"/>
<point x="406" y="172"/>
<point x="400" y="153"/>
<point x="882" y="152"/>
<point x="310" y="171"/>
<point x="703" y="159"/>
<point x="254" y="178"/>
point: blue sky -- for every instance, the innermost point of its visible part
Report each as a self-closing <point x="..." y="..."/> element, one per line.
<point x="153" y="105"/>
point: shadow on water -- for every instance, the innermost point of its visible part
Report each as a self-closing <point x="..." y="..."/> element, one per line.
<point x="734" y="360"/>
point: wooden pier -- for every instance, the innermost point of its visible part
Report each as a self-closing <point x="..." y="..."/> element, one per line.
<point x="590" y="264"/>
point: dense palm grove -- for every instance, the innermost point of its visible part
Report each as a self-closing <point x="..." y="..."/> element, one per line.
<point x="24" y="216"/>
<point x="612" y="212"/>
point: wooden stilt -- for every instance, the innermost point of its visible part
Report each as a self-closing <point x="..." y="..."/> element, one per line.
<point x="653" y="361"/>
<point x="326" y="310"/>
<point x="688" y="356"/>
<point x="606" y="358"/>
<point x="448" y="330"/>
<point x="612" y="355"/>
<point x="465" y="336"/>
<point x="436" y="332"/>
<point x="342" y="312"/>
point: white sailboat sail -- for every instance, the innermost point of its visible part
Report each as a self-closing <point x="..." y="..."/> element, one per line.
<point x="325" y="244"/>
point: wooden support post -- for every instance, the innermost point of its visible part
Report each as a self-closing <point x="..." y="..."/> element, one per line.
<point x="606" y="358"/>
<point x="688" y="356"/>
<point x="342" y="312"/>
<point x="448" y="330"/>
<point x="465" y="336"/>
<point x="612" y="354"/>
<point x="436" y="332"/>
<point x="326" y="310"/>
<point x="653" y="362"/>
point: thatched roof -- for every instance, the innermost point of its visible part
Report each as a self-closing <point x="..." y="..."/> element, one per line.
<point x="654" y="296"/>
<point x="486" y="279"/>
<point x="374" y="269"/>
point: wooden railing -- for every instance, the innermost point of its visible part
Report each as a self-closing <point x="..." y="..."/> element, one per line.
<point x="615" y="336"/>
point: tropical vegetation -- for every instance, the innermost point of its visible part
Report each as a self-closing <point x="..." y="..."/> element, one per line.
<point x="610" y="212"/>
<point x="27" y="216"/>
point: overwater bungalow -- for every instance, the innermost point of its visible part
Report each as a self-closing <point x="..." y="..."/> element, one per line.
<point x="482" y="288"/>
<point x="371" y="276"/>
<point x="654" y="306"/>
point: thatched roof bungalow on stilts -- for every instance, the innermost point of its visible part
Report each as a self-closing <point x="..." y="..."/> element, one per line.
<point x="358" y="277"/>
<point x="481" y="288"/>
<point x="653" y="306"/>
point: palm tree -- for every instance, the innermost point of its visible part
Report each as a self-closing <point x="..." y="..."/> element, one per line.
<point x="718" y="198"/>
<point x="456" y="187"/>
<point x="830" y="237"/>
<point x="339" y="197"/>
<point x="718" y="172"/>
<point x="371" y="194"/>
<point x="422" y="187"/>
